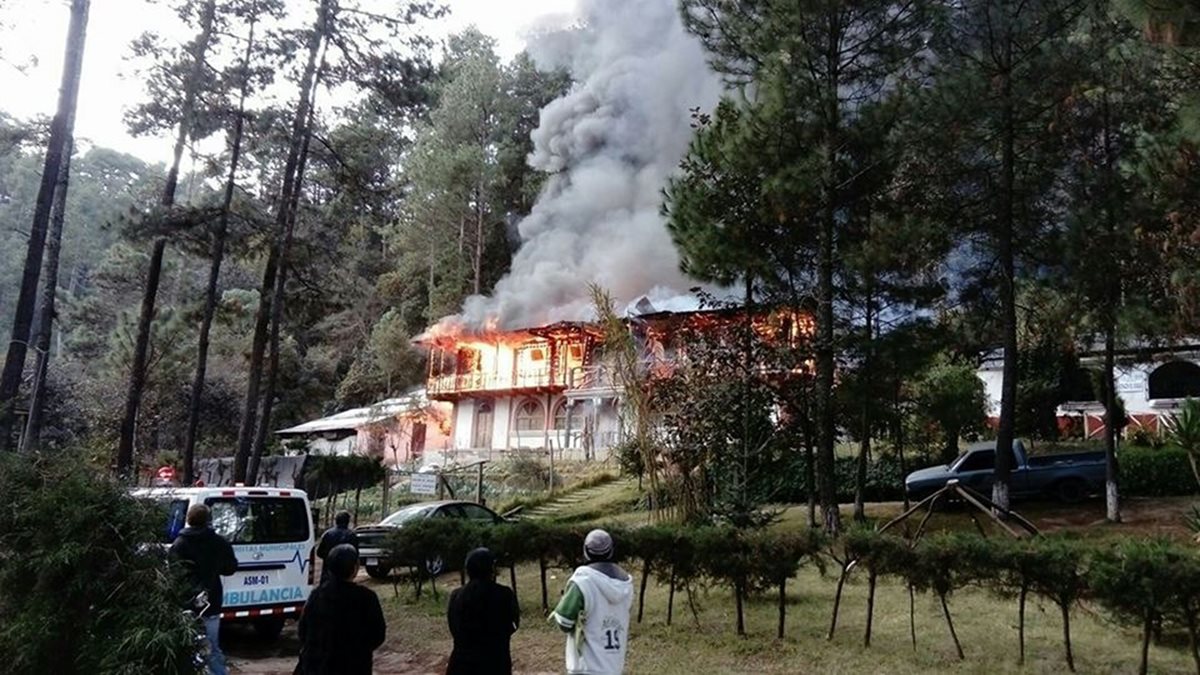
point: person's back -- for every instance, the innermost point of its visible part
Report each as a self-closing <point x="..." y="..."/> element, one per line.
<point x="483" y="615"/>
<point x="340" y="533"/>
<point x="206" y="556"/>
<point x="342" y="623"/>
<point x="594" y="611"/>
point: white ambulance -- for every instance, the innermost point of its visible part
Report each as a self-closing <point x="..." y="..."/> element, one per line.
<point x="271" y="531"/>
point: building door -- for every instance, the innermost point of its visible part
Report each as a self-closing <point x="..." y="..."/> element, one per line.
<point x="482" y="436"/>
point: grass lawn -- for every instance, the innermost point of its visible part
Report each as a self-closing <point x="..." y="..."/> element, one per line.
<point x="707" y="643"/>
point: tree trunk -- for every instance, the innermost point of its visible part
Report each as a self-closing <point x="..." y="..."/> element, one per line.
<point x="477" y="267"/>
<point x="60" y="132"/>
<point x="671" y="597"/>
<point x="739" y="594"/>
<point x="826" y="429"/>
<point x="267" y="402"/>
<point x="46" y="313"/>
<point x="246" y="430"/>
<point x="1066" y="617"/>
<point x="137" y="370"/>
<point x="1021" y="622"/>
<point x="870" y="607"/>
<point x="1147" y="629"/>
<point x="950" y="624"/>
<point x="642" y="592"/>
<point x="864" y="449"/>
<point x="1005" y="432"/>
<point x="782" y="606"/>
<point x="217" y="256"/>
<point x="1112" y="500"/>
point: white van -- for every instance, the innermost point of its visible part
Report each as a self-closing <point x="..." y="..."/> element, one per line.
<point x="271" y="531"/>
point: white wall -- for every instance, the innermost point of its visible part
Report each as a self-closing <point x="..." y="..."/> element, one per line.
<point x="464" y="422"/>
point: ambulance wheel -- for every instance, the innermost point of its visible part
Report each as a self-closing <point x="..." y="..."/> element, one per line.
<point x="378" y="571"/>
<point x="269" y="627"/>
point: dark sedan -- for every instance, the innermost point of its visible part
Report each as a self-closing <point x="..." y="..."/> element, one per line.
<point x="375" y="558"/>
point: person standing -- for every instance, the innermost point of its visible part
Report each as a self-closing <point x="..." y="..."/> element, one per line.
<point x="594" y="610"/>
<point x="206" y="557"/>
<point x="340" y="533"/>
<point x="342" y="623"/>
<point x="483" y="615"/>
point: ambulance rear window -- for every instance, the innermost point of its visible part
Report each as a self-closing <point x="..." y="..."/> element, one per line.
<point x="259" y="520"/>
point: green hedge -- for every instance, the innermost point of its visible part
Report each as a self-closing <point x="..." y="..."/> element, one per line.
<point x="1150" y="472"/>
<point x="1150" y="584"/>
<point x="743" y="561"/>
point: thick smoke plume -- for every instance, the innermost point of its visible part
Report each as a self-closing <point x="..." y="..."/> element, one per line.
<point x="610" y="143"/>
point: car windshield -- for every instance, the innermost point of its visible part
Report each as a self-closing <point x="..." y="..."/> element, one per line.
<point x="174" y="513"/>
<point x="407" y="514"/>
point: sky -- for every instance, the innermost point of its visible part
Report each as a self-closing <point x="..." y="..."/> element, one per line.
<point x="33" y="34"/>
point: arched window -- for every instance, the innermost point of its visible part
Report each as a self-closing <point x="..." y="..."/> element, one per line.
<point x="1175" y="379"/>
<point x="530" y="416"/>
<point x="560" y="416"/>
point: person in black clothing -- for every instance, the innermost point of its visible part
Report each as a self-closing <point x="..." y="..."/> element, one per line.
<point x="342" y="623"/>
<point x="206" y="557"/>
<point x="483" y="616"/>
<point x="340" y="533"/>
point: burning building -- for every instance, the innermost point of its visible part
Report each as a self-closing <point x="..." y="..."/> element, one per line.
<point x="552" y="388"/>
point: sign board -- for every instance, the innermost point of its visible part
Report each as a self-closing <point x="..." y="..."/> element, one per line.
<point x="1131" y="381"/>
<point x="423" y="484"/>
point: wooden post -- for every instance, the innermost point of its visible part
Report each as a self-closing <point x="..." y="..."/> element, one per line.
<point x="479" y="485"/>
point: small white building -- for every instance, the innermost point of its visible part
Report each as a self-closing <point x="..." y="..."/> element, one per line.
<point x="398" y="430"/>
<point x="1151" y="381"/>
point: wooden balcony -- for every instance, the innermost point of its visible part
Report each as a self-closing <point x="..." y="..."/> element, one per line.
<point x="448" y="387"/>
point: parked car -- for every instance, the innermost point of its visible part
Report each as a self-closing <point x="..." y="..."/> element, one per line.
<point x="1067" y="477"/>
<point x="375" y="557"/>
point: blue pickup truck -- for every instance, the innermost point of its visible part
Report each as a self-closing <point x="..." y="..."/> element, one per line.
<point x="1067" y="477"/>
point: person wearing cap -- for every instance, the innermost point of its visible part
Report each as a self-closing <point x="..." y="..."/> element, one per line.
<point x="594" y="610"/>
<point x="205" y="557"/>
<point x="483" y="615"/>
<point x="340" y="533"/>
<point x="342" y="623"/>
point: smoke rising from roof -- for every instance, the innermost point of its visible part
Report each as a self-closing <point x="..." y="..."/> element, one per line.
<point x="610" y="143"/>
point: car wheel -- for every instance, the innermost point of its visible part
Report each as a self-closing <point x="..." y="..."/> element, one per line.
<point x="1070" y="491"/>
<point x="269" y="627"/>
<point x="435" y="565"/>
<point x="378" y="571"/>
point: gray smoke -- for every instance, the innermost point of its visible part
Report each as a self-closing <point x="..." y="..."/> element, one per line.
<point x="610" y="144"/>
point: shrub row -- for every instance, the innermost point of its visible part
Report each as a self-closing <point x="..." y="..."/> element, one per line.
<point x="684" y="558"/>
<point x="1156" y="472"/>
<point x="1151" y="584"/>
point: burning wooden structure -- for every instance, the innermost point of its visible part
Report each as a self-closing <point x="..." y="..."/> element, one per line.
<point x="550" y="388"/>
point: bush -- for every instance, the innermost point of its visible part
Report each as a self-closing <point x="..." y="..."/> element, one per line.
<point x="1156" y="473"/>
<point x="78" y="591"/>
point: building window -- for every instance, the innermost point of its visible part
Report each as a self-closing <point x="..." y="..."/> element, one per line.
<point x="1175" y="379"/>
<point x="560" y="416"/>
<point x="530" y="416"/>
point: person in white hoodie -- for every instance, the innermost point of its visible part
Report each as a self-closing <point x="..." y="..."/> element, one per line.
<point x="594" y="610"/>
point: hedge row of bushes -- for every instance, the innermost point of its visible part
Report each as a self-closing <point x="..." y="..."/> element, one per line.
<point x="684" y="558"/>
<point x="1156" y="472"/>
<point x="1151" y="584"/>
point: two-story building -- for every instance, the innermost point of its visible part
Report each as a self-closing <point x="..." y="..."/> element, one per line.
<point x="550" y="388"/>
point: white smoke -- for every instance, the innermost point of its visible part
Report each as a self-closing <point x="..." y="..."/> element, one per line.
<point x="610" y="143"/>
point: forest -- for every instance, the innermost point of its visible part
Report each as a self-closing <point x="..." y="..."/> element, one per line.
<point x="941" y="181"/>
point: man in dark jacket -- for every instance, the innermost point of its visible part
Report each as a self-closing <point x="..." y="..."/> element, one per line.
<point x="483" y="616"/>
<point x="206" y="557"/>
<point x="342" y="624"/>
<point x="340" y="533"/>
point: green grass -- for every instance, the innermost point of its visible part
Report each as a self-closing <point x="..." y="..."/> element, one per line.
<point x="707" y="643"/>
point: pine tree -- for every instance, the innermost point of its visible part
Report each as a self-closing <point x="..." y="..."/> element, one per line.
<point x="816" y="67"/>
<point x="60" y="133"/>
<point x="186" y="114"/>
